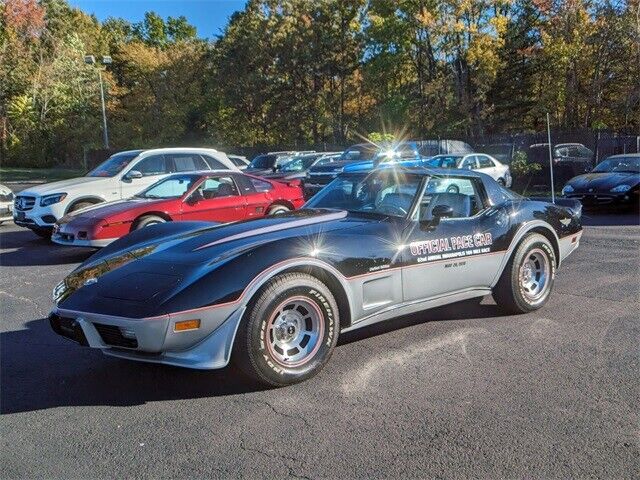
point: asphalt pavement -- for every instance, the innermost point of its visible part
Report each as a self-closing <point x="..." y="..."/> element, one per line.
<point x="455" y="392"/>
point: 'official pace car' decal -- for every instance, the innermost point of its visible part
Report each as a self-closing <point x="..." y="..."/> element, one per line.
<point x="451" y="247"/>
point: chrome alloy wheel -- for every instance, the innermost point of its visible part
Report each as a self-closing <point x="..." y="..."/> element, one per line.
<point x="295" y="331"/>
<point x="534" y="275"/>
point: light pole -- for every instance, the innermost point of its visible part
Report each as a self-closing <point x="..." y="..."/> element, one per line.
<point x="106" y="60"/>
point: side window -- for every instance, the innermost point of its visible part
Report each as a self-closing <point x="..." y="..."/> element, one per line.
<point x="463" y="195"/>
<point x="237" y="162"/>
<point x="213" y="163"/>
<point x="186" y="162"/>
<point x="484" y="162"/>
<point x="153" y="165"/>
<point x="218" y="187"/>
<point x="469" y="163"/>
<point x="260" y="185"/>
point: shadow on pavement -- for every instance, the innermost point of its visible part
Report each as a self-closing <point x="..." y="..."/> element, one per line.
<point x="609" y="218"/>
<point x="41" y="370"/>
<point x="31" y="250"/>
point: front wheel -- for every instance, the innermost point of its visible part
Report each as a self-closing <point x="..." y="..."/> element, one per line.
<point x="289" y="332"/>
<point x="147" y="221"/>
<point x="527" y="279"/>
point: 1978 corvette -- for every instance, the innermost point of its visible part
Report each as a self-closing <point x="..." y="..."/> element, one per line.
<point x="273" y="294"/>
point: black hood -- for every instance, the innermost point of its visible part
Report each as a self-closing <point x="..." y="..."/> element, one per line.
<point x="603" y="181"/>
<point x="332" y="167"/>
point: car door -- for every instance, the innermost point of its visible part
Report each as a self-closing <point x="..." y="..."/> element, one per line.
<point x="257" y="195"/>
<point x="216" y="199"/>
<point x="486" y="166"/>
<point x="451" y="254"/>
<point x="152" y="169"/>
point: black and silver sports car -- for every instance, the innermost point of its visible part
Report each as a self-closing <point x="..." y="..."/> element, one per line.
<point x="273" y="294"/>
<point x="614" y="181"/>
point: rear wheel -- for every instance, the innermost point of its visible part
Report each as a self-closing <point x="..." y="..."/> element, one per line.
<point x="527" y="280"/>
<point x="453" y="189"/>
<point x="147" y="221"/>
<point x="502" y="182"/>
<point x="278" y="210"/>
<point x="289" y="332"/>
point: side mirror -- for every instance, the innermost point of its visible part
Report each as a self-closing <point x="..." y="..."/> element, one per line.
<point x="195" y="197"/>
<point x="132" y="174"/>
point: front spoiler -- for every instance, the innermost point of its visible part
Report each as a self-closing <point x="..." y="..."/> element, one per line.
<point x="157" y="342"/>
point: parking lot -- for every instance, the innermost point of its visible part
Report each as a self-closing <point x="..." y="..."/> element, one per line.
<point x="459" y="391"/>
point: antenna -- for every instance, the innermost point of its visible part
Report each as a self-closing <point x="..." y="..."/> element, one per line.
<point x="553" y="193"/>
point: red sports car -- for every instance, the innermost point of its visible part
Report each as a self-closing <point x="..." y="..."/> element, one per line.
<point x="215" y="196"/>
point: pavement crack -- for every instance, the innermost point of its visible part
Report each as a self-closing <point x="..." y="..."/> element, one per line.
<point x="23" y="299"/>
<point x="272" y="455"/>
<point x="286" y="415"/>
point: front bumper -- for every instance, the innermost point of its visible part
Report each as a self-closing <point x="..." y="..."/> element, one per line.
<point x="74" y="238"/>
<point x="592" y="199"/>
<point x="6" y="211"/>
<point x="154" y="339"/>
<point x="37" y="217"/>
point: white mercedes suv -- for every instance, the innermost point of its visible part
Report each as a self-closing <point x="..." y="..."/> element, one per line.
<point x="120" y="176"/>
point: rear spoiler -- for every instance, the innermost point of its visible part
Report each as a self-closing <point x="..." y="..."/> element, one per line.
<point x="571" y="203"/>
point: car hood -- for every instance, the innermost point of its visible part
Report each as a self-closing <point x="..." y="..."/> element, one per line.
<point x="103" y="211"/>
<point x="63" y="185"/>
<point x="198" y="247"/>
<point x="603" y="181"/>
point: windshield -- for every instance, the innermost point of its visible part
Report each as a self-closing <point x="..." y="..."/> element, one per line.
<point x="298" y="163"/>
<point x="620" y="164"/>
<point x="263" y="161"/>
<point x="171" y="187"/>
<point x="400" y="152"/>
<point x="113" y="165"/>
<point x="443" y="161"/>
<point x="359" y="153"/>
<point x="389" y="194"/>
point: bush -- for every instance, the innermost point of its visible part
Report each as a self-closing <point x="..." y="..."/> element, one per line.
<point x="521" y="167"/>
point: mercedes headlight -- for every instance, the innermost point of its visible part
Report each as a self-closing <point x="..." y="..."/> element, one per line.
<point x="621" y="189"/>
<point x="51" y="199"/>
<point x="567" y="189"/>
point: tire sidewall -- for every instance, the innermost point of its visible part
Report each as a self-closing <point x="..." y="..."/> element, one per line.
<point x="532" y="243"/>
<point x="148" y="221"/>
<point x="278" y="210"/>
<point x="262" y="360"/>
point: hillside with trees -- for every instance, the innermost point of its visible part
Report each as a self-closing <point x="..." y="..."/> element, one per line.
<point x="304" y="72"/>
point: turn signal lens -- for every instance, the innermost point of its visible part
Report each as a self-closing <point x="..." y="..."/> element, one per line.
<point x="184" y="325"/>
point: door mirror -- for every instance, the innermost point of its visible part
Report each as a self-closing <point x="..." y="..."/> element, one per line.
<point x="132" y="174"/>
<point x="195" y="197"/>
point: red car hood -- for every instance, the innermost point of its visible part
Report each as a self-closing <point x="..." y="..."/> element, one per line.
<point x="105" y="211"/>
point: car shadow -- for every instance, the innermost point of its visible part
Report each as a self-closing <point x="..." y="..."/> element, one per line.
<point x="41" y="370"/>
<point x="609" y="217"/>
<point x="481" y="307"/>
<point x="27" y="249"/>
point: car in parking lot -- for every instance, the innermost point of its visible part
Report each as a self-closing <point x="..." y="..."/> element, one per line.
<point x="266" y="163"/>
<point x="120" y="176"/>
<point x="480" y="162"/>
<point x="213" y="196"/>
<point x="6" y="204"/>
<point x="298" y="166"/>
<point x="239" y="161"/>
<point x="614" y="181"/>
<point x="274" y="293"/>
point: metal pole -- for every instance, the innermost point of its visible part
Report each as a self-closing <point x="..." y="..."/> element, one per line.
<point x="553" y="193"/>
<point x="105" y="133"/>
